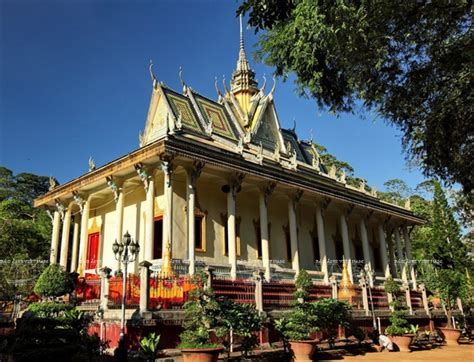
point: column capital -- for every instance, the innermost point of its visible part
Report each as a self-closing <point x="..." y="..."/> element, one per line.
<point x="145" y="174"/>
<point x="267" y="190"/>
<point x="348" y="211"/>
<point x="79" y="199"/>
<point x="60" y="208"/>
<point x="295" y="197"/>
<point x="114" y="184"/>
<point x="236" y="182"/>
<point x="195" y="171"/>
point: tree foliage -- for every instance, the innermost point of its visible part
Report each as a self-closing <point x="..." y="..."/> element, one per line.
<point x="54" y="282"/>
<point x="409" y="61"/>
<point x="24" y="232"/>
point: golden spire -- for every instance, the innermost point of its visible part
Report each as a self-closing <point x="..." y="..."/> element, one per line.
<point x="167" y="267"/>
<point x="346" y="289"/>
<point x="243" y="84"/>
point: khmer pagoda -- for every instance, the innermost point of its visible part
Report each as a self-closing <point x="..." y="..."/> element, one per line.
<point x="217" y="184"/>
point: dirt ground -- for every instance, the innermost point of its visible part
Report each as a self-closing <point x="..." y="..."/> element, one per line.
<point x="463" y="353"/>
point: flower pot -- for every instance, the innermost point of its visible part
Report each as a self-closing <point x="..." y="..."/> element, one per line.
<point x="402" y="342"/>
<point x="201" y="354"/>
<point x="451" y="335"/>
<point x="303" y="350"/>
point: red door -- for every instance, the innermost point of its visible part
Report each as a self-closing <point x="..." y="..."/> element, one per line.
<point x="93" y="251"/>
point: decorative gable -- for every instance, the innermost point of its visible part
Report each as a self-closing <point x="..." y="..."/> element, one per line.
<point x="182" y="110"/>
<point x="265" y="127"/>
<point x="216" y="114"/>
<point x="156" y="123"/>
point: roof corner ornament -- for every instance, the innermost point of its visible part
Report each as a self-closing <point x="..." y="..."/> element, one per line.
<point x="240" y="146"/>
<point x="408" y="204"/>
<point x="294" y="126"/>
<point x="259" y="155"/>
<point x="180" y="73"/>
<point x="262" y="89"/>
<point x="79" y="200"/>
<point x="141" y="138"/>
<point x="273" y="87"/>
<point x="225" y="85"/>
<point x="332" y="172"/>
<point x="219" y="94"/>
<point x="311" y="136"/>
<point x="92" y="165"/>
<point x="362" y="186"/>
<point x="247" y="137"/>
<point x="112" y="183"/>
<point x="152" y="75"/>
<point x="276" y="153"/>
<point x="143" y="174"/>
<point x="208" y="128"/>
<point x="373" y="192"/>
<point x="178" y="124"/>
<point x="293" y="160"/>
<point x="52" y="183"/>
<point x="342" y="177"/>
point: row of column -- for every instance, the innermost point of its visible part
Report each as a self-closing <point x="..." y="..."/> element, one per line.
<point x="264" y="195"/>
<point x="80" y="232"/>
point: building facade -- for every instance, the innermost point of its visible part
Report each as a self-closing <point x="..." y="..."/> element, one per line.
<point x="220" y="183"/>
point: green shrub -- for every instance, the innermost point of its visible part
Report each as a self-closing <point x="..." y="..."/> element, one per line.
<point x="300" y="321"/>
<point x="398" y="322"/>
<point x="331" y="314"/>
<point x="149" y="345"/>
<point x="54" y="282"/>
<point x="49" y="309"/>
<point x="202" y="312"/>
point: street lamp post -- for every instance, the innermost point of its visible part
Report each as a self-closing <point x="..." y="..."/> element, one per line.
<point x="125" y="252"/>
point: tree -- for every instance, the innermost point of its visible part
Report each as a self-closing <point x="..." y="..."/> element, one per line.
<point x="409" y="61"/>
<point x="54" y="282"/>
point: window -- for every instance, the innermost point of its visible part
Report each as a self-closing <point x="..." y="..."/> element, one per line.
<point x="158" y="238"/>
<point x="199" y="226"/>
<point x="286" y="230"/>
<point x="92" y="250"/>
<point x="316" y="255"/>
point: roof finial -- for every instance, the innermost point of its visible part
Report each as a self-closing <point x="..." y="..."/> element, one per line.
<point x="311" y="135"/>
<point x="241" y="33"/>
<point x="225" y="86"/>
<point x="152" y="75"/>
<point x="273" y="86"/>
<point x="181" y="78"/>
<point x="264" y="83"/>
<point x="294" y="125"/>
<point x="219" y="94"/>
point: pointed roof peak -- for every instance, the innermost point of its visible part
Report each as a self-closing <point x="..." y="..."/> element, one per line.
<point x="243" y="78"/>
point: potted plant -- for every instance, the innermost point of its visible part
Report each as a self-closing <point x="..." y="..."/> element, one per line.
<point x="241" y="321"/>
<point x="299" y="323"/>
<point x="202" y="317"/>
<point x="398" y="328"/>
<point x="332" y="314"/>
<point x="449" y="285"/>
<point x="149" y="346"/>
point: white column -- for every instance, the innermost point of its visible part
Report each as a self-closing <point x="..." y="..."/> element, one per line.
<point x="264" y="234"/>
<point x="391" y="254"/>
<point x="383" y="251"/>
<point x="75" y="244"/>
<point x="322" y="243"/>
<point x="149" y="219"/>
<point x="295" y="260"/>
<point x="406" y="237"/>
<point x="346" y="244"/>
<point x="366" y="250"/>
<point x="55" y="238"/>
<point x="168" y="215"/>
<point x="84" y="235"/>
<point x="65" y="238"/>
<point x="191" y="197"/>
<point x="119" y="220"/>
<point x="401" y="257"/>
<point x="231" y="233"/>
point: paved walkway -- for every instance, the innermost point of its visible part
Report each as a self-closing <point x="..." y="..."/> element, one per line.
<point x="463" y="353"/>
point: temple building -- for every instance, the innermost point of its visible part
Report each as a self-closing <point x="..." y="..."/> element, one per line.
<point x="218" y="182"/>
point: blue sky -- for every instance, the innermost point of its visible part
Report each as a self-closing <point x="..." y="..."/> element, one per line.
<point x="74" y="83"/>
